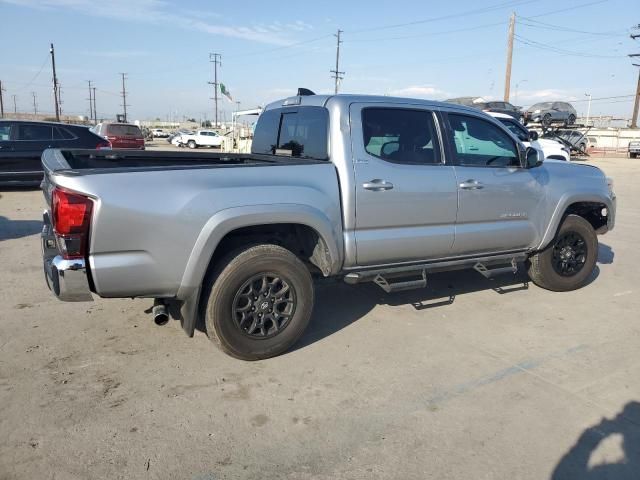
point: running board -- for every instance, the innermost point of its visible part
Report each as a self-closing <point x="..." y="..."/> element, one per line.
<point x="381" y="275"/>
<point x="482" y="269"/>
<point x="390" y="287"/>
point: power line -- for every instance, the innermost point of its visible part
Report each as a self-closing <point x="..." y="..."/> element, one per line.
<point x="538" y="24"/>
<point x="561" y="51"/>
<point x="477" y="11"/>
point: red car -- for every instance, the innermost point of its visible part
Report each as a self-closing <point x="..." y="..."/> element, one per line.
<point x="121" y="135"/>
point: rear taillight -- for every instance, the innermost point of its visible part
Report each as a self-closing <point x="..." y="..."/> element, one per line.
<point x="103" y="146"/>
<point x="71" y="219"/>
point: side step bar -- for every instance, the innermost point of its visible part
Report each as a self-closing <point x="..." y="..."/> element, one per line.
<point x="482" y="269"/>
<point x="388" y="287"/>
<point x="383" y="277"/>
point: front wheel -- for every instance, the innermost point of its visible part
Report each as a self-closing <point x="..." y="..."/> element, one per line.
<point x="568" y="262"/>
<point x="546" y="120"/>
<point x="259" y="302"/>
<point x="571" y="120"/>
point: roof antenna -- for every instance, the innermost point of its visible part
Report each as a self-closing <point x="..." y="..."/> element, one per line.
<point x="303" y="92"/>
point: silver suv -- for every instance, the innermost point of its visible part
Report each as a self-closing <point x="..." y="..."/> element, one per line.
<point x="547" y="113"/>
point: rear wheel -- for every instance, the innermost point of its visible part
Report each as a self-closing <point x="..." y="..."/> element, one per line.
<point x="259" y="302"/>
<point x="546" y="120"/>
<point x="571" y="120"/>
<point x="191" y="144"/>
<point x="567" y="263"/>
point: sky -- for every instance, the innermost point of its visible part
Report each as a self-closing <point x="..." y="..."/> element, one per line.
<point x="414" y="48"/>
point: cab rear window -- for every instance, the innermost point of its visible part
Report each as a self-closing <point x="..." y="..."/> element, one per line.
<point x="293" y="132"/>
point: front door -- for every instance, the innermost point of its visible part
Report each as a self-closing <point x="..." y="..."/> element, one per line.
<point x="406" y="198"/>
<point x="497" y="196"/>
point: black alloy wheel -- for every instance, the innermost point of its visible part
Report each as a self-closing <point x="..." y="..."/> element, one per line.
<point x="263" y="305"/>
<point x="569" y="254"/>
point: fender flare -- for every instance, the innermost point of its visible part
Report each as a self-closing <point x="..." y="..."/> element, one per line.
<point x="230" y="219"/>
<point x="566" y="200"/>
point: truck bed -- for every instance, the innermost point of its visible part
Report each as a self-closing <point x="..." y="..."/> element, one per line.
<point x="83" y="162"/>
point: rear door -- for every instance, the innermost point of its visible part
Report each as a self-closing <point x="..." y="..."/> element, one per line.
<point x="31" y="140"/>
<point x="497" y="197"/>
<point x="406" y="193"/>
<point x="8" y="162"/>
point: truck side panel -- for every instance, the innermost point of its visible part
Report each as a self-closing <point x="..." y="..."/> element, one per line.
<point x="146" y="225"/>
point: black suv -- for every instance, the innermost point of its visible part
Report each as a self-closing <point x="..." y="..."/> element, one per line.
<point x="22" y="143"/>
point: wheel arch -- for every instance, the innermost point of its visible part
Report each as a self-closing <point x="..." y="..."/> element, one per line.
<point x="259" y="221"/>
<point x="588" y="207"/>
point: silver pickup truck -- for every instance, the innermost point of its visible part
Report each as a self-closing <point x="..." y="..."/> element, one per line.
<point x="364" y="188"/>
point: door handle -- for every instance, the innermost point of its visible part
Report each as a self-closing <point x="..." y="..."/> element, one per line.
<point x="377" y="185"/>
<point x="471" y="185"/>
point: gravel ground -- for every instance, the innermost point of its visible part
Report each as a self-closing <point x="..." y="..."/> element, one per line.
<point x="468" y="378"/>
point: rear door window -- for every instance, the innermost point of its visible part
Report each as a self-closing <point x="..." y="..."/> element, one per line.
<point x="35" y="132"/>
<point x="60" y="133"/>
<point x="293" y="132"/>
<point x="400" y="135"/>
<point x="5" y="132"/>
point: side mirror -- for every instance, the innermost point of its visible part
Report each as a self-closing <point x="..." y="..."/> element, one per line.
<point x="534" y="158"/>
<point x="533" y="135"/>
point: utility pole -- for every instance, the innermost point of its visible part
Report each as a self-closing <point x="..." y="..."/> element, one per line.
<point x="216" y="59"/>
<point x="588" y="108"/>
<point x="15" y="108"/>
<point x="35" y="103"/>
<point x="337" y="74"/>
<point x="636" y="105"/>
<point x="634" y="117"/>
<point x="90" y="101"/>
<point x="124" y="96"/>
<point x="55" y="83"/>
<point x="95" y="112"/>
<point x="1" y="100"/>
<point x="507" y="78"/>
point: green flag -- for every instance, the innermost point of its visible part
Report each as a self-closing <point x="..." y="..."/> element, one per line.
<point x="225" y="92"/>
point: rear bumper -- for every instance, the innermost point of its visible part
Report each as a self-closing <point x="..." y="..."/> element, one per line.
<point x="66" y="278"/>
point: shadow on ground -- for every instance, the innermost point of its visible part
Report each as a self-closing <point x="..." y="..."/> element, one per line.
<point x="10" y="229"/>
<point x="575" y="464"/>
<point x="338" y="305"/>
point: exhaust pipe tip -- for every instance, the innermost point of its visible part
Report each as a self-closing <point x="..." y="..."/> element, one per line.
<point x="159" y="313"/>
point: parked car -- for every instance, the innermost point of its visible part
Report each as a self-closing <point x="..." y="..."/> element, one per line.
<point x="547" y="113"/>
<point x="121" y="135"/>
<point x="174" y="138"/>
<point x="202" y="138"/>
<point x="159" y="133"/>
<point x="634" y="149"/>
<point x="409" y="188"/>
<point x="489" y="106"/>
<point x="551" y="149"/>
<point x="22" y="143"/>
<point x="573" y="139"/>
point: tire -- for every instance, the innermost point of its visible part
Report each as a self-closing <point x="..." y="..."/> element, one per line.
<point x="571" y="119"/>
<point x="191" y="144"/>
<point x="545" y="268"/>
<point x="248" y="328"/>
<point x="546" y="120"/>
